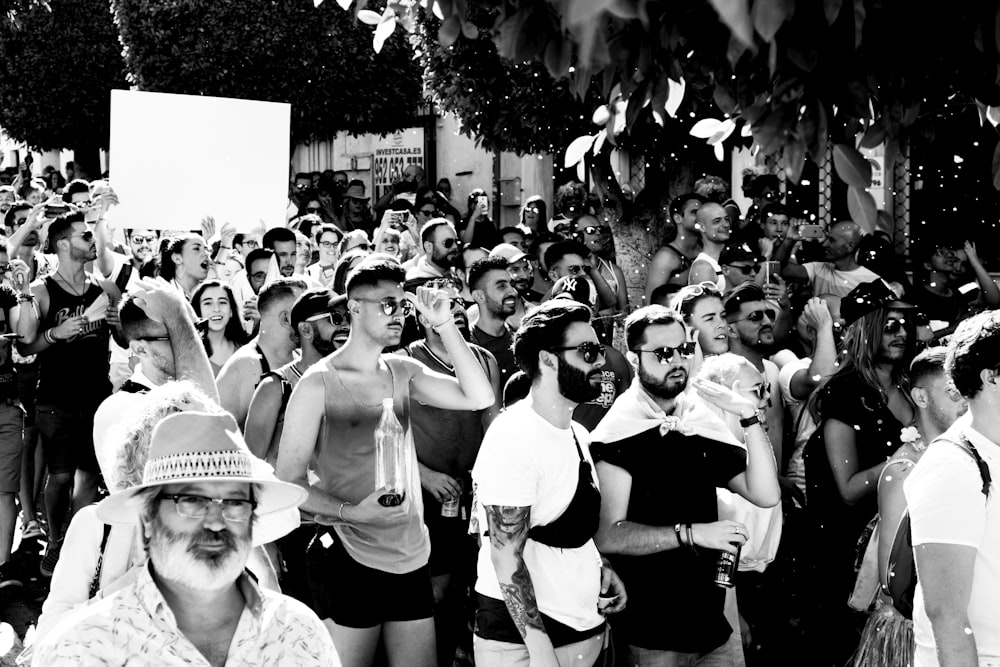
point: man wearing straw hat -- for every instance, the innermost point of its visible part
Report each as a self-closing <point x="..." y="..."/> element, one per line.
<point x="204" y="502"/>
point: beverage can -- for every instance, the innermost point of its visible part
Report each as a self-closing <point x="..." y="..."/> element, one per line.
<point x="725" y="568"/>
<point x="449" y="508"/>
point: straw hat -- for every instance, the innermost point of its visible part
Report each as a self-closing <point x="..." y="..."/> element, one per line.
<point x="191" y="447"/>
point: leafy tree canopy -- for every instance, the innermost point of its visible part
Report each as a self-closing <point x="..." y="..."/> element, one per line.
<point x="58" y="62"/>
<point x="320" y="59"/>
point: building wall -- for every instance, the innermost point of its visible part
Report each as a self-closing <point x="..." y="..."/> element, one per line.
<point x="457" y="158"/>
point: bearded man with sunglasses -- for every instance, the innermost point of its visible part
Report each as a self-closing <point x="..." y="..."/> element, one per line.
<point x="368" y="564"/>
<point x="751" y="319"/>
<point x="440" y="248"/>
<point x="661" y="454"/>
<point x="542" y="589"/>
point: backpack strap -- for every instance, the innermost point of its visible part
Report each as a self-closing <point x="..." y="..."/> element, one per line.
<point x="984" y="470"/>
<point x="95" y="583"/>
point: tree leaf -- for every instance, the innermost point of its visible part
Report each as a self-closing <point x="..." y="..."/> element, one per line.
<point x="577" y="149"/>
<point x="705" y="128"/>
<point x="993" y="115"/>
<point x="795" y="159"/>
<point x="861" y="206"/>
<point x="770" y="15"/>
<point x="735" y="15"/>
<point x="382" y="33"/>
<point x="585" y="11"/>
<point x="831" y="9"/>
<point x="851" y="166"/>
<point x="450" y="30"/>
<point x="369" y="17"/>
<point x="859" y="22"/>
<point x="874" y="135"/>
<point x="996" y="167"/>
<point x="599" y="141"/>
<point x="601" y="115"/>
<point x="722" y="132"/>
<point x="675" y="96"/>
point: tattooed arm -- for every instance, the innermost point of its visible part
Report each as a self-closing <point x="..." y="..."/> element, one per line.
<point x="508" y="534"/>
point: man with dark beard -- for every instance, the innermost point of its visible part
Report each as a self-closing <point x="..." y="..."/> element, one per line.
<point x="542" y="588"/>
<point x="661" y="455"/>
<point x="447" y="442"/>
<point x="496" y="298"/>
<point x="751" y="319"/>
<point x="439" y="242"/>
<point x="204" y="502"/>
<point x="321" y="325"/>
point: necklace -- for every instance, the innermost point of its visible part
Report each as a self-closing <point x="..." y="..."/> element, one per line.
<point x="70" y="285"/>
<point x="350" y="394"/>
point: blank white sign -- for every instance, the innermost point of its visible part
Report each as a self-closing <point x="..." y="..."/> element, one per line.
<point x="175" y="159"/>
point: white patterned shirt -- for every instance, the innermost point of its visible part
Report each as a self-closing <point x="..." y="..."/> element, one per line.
<point x="135" y="626"/>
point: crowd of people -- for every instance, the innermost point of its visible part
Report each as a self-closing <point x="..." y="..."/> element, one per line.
<point x="394" y="432"/>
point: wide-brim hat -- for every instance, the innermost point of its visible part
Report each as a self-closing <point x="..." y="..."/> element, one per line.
<point x="190" y="447"/>
<point x="356" y="192"/>
<point x="867" y="298"/>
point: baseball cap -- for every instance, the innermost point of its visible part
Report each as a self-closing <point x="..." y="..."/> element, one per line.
<point x="313" y="302"/>
<point x="508" y="252"/>
<point x="575" y="288"/>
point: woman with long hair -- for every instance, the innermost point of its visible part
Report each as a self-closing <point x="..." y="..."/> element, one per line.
<point x="222" y="333"/>
<point x="861" y="411"/>
<point x="534" y="215"/>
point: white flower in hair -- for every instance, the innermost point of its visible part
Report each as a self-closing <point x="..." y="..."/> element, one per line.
<point x="909" y="435"/>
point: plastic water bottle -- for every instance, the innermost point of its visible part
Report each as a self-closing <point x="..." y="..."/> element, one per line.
<point x="390" y="456"/>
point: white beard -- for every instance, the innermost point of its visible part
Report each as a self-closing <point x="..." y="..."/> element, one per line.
<point x="172" y="560"/>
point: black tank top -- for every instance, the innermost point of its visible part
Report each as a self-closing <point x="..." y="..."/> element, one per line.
<point x="74" y="373"/>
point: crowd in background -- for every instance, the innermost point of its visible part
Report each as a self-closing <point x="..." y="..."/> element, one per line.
<point x="804" y="366"/>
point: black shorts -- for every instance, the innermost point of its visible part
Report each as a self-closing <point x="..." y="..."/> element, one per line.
<point x="27" y="387"/>
<point x="67" y="439"/>
<point x="355" y="596"/>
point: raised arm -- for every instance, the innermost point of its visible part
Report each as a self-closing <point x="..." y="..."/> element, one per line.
<point x="989" y="292"/>
<point x="824" y="357"/>
<point x="164" y="304"/>
<point x="470" y="389"/>
<point x="663" y="264"/>
<point x="508" y="534"/>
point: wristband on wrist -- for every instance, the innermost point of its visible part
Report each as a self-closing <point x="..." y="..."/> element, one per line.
<point x="750" y="421"/>
<point x="21" y="298"/>
<point x="49" y="338"/>
<point x="690" y="535"/>
<point x="679" y="533"/>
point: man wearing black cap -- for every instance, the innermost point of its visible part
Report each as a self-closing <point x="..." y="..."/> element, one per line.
<point x="862" y="411"/>
<point x="321" y="325"/>
<point x="751" y="319"/>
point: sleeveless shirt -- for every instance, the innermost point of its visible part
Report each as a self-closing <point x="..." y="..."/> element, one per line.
<point x="345" y="465"/>
<point x="73" y="373"/>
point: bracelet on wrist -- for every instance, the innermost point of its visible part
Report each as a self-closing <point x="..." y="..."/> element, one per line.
<point x="21" y="298"/>
<point x="437" y="327"/>
<point x="750" y="421"/>
<point x="690" y="535"/>
<point x="679" y="533"/>
<point x="341" y="512"/>
<point x="49" y="338"/>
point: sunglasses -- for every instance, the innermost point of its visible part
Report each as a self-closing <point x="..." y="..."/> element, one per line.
<point x="575" y="269"/>
<point x="86" y="203"/>
<point x="561" y="229"/>
<point x="531" y="209"/>
<point x="758" y="315"/>
<point x="694" y="291"/>
<point x="893" y="326"/>
<point x="449" y="243"/>
<point x="310" y="209"/>
<point x="391" y="306"/>
<point x="138" y="240"/>
<point x="745" y="270"/>
<point x="427" y="213"/>
<point x="762" y="390"/>
<point x="603" y="229"/>
<point x="87" y="236"/>
<point x="336" y="317"/>
<point x="589" y="351"/>
<point x="664" y="355"/>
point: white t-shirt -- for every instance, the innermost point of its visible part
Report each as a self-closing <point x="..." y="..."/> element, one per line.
<point x="825" y="279"/>
<point x="947" y="506"/>
<point x="804" y="423"/>
<point x="526" y="461"/>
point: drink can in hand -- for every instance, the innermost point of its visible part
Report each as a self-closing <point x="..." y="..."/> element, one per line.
<point x="725" y="568"/>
